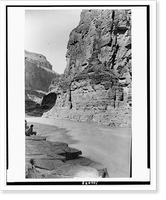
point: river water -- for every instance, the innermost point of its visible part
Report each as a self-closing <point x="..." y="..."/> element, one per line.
<point x="106" y="145"/>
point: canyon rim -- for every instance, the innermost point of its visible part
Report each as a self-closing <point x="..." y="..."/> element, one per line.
<point x="95" y="87"/>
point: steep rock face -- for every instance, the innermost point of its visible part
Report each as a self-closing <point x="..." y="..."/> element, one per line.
<point x="39" y="59"/>
<point x="38" y="77"/>
<point x="96" y="85"/>
<point x="38" y="72"/>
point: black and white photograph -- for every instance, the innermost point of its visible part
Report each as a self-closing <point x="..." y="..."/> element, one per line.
<point x="79" y="81"/>
<point x="78" y="99"/>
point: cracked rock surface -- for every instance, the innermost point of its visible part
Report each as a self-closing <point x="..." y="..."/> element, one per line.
<point x="45" y="159"/>
<point x="97" y="83"/>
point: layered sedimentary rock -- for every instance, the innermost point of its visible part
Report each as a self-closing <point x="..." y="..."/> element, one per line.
<point x="45" y="159"/>
<point x="38" y="77"/>
<point x="97" y="82"/>
<point x="38" y="72"/>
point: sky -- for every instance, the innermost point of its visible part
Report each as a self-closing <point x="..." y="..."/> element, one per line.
<point x="47" y="33"/>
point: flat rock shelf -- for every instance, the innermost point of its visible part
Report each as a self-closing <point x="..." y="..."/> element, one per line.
<point x="45" y="159"/>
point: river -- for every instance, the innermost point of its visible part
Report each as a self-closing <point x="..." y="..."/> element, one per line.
<point x="106" y="145"/>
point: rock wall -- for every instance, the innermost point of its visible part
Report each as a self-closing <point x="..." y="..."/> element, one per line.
<point x="38" y="59"/>
<point x="38" y="72"/>
<point x="97" y="82"/>
<point x="38" y="77"/>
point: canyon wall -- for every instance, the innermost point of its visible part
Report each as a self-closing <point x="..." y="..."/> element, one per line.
<point x="38" y="72"/>
<point x="97" y="82"/>
<point x="38" y="77"/>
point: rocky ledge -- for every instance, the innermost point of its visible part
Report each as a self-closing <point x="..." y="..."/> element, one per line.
<point x="45" y="159"/>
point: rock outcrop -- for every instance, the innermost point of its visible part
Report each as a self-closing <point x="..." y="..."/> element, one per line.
<point x="45" y="159"/>
<point x="97" y="82"/>
<point x="38" y="72"/>
<point x="38" y="77"/>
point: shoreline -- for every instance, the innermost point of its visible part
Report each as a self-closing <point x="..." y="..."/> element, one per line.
<point x="106" y="145"/>
<point x="60" y="133"/>
<point x="54" y="159"/>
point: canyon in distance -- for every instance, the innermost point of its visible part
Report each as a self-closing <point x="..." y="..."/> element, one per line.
<point x="83" y="117"/>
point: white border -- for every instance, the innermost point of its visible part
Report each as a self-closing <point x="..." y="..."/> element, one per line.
<point x="22" y="105"/>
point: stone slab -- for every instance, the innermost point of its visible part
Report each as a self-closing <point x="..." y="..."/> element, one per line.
<point x="45" y="159"/>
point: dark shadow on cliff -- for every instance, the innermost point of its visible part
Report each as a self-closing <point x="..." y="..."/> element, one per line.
<point x="34" y="109"/>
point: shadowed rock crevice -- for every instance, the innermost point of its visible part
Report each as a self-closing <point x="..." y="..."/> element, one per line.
<point x="35" y="109"/>
<point x="49" y="100"/>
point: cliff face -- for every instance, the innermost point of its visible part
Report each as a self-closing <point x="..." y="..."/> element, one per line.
<point x="38" y="77"/>
<point x="96" y="85"/>
<point x="38" y="72"/>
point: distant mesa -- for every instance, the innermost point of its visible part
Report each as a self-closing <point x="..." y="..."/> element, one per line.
<point x="38" y="77"/>
<point x="39" y="59"/>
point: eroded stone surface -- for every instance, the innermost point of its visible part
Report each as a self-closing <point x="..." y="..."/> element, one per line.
<point x="45" y="159"/>
<point x="38" y="77"/>
<point x="96" y="84"/>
